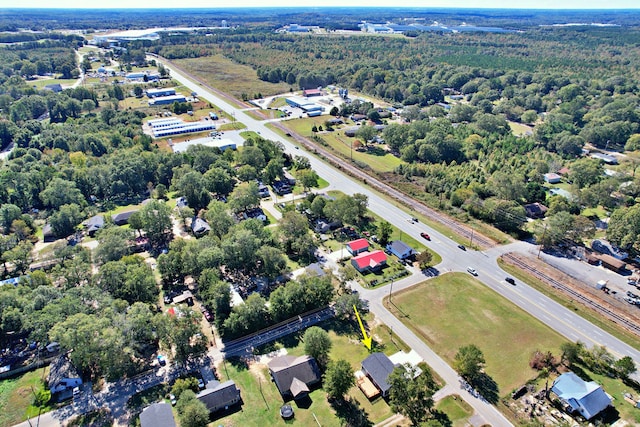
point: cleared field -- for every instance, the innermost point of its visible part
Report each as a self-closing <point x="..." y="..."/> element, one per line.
<point x="457" y="409"/>
<point x="232" y="78"/>
<point x="375" y="157"/>
<point x="455" y="309"/>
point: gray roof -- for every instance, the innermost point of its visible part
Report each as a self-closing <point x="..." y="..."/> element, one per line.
<point x="285" y="370"/>
<point x="60" y="369"/>
<point x="94" y="223"/>
<point x="588" y="398"/>
<point x="379" y="367"/>
<point x="157" y="415"/>
<point x="123" y="217"/>
<point x="399" y="247"/>
<point x="217" y="396"/>
<point x="199" y="225"/>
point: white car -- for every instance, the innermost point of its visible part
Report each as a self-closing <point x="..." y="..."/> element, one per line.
<point x="472" y="271"/>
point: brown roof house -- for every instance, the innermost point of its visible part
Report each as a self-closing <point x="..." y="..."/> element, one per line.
<point x="535" y="210"/>
<point x="219" y="396"/>
<point x="294" y="375"/>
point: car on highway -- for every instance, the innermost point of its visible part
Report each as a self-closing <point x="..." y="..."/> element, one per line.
<point x="462" y="247"/>
<point x="472" y="271"/>
<point x="425" y="236"/>
<point x="510" y="280"/>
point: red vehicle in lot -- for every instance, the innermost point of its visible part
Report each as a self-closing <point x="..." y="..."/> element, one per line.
<point x="425" y="236"/>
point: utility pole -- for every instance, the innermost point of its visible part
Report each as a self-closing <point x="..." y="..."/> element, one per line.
<point x="542" y="238"/>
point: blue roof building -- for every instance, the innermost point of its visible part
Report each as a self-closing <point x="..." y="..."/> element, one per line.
<point x="586" y="398"/>
<point x="400" y="249"/>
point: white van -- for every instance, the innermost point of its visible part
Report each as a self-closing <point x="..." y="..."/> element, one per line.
<point x="472" y="271"/>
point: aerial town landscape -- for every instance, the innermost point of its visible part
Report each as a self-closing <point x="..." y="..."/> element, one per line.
<point x="319" y="217"/>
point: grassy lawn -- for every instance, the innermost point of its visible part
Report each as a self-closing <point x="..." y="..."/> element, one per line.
<point x="597" y="212"/>
<point x="519" y="129"/>
<point x="455" y="309"/>
<point x="41" y="83"/>
<point x="457" y="409"/>
<point x="16" y="397"/>
<point x="232" y="126"/>
<point x="376" y="158"/>
<point x="249" y="134"/>
<point x="229" y="76"/>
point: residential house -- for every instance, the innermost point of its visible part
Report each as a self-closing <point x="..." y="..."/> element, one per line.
<point x="157" y="415"/>
<point x="369" y="261"/>
<point x="377" y="367"/>
<point x="199" y="226"/>
<point x="355" y="247"/>
<point x="55" y="88"/>
<point x="186" y="297"/>
<point x="294" y="375"/>
<point x="324" y="225"/>
<point x="552" y="178"/>
<point x="400" y="249"/>
<point x="610" y="160"/>
<point x="289" y="178"/>
<point x="63" y="377"/>
<point x="47" y="233"/>
<point x="351" y="132"/>
<point x="219" y="396"/>
<point x="358" y="117"/>
<point x="123" y="217"/>
<point x="535" y="210"/>
<point x="94" y="224"/>
<point x="584" y="397"/>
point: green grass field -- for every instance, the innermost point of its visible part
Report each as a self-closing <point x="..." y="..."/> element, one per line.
<point x="519" y="129"/>
<point x="455" y="309"/>
<point x="229" y="76"/>
<point x="376" y="158"/>
<point x="457" y="409"/>
<point x="16" y="397"/>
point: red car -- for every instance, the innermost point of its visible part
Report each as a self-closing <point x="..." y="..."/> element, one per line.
<point x="425" y="236"/>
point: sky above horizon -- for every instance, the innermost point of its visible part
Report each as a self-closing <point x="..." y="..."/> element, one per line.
<point x="164" y="4"/>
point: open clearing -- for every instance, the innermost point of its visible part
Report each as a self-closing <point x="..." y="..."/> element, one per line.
<point x="233" y="78"/>
<point x="455" y="310"/>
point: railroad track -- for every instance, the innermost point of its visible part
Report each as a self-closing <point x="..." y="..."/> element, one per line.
<point x="388" y="190"/>
<point x="615" y="317"/>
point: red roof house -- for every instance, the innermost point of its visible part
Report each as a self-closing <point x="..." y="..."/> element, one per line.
<point x="369" y="261"/>
<point x="356" y="246"/>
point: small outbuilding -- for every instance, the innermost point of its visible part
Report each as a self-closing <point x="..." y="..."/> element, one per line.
<point x="552" y="178"/>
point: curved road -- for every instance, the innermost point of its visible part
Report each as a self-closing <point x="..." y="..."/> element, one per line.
<point x="564" y="321"/>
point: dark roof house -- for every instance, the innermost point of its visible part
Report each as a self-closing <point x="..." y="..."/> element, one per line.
<point x="157" y="415"/>
<point x="47" y="233"/>
<point x="55" y="87"/>
<point x="63" y="377"/>
<point x="219" y="396"/>
<point x="535" y="210"/>
<point x="94" y="224"/>
<point x="586" y="398"/>
<point x="293" y="375"/>
<point x="378" y="367"/>
<point x="123" y="217"/>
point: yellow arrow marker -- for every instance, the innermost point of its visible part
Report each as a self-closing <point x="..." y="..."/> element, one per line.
<point x="366" y="340"/>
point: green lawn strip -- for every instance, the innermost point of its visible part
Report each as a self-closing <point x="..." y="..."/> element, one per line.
<point x="16" y="397"/>
<point x="230" y="77"/>
<point x="456" y="409"/>
<point x="519" y="129"/>
<point x="278" y="102"/>
<point x="589" y="315"/>
<point x="249" y="134"/>
<point x="232" y="126"/>
<point x="455" y="309"/>
<point x="41" y="83"/>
